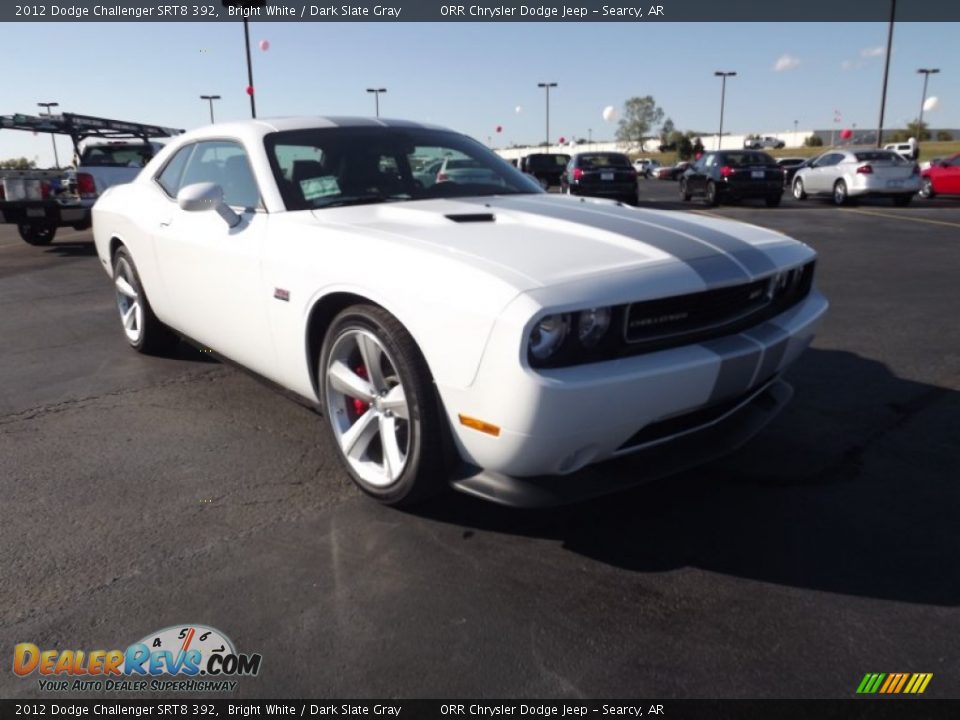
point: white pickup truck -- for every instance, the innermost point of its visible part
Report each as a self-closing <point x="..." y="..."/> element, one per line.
<point x="106" y="152"/>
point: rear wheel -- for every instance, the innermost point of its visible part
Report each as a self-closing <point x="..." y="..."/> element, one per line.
<point x="40" y="233"/>
<point x="377" y="395"/>
<point x="840" y="193"/>
<point x="773" y="201"/>
<point x="798" y="192"/>
<point x="926" y="189"/>
<point x="684" y="192"/>
<point x="712" y="197"/>
<point x="902" y="200"/>
<point x="144" y="332"/>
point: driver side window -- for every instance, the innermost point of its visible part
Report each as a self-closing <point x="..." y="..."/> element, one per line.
<point x="225" y="163"/>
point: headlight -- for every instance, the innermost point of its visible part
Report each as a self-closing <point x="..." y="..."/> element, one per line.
<point x="592" y="325"/>
<point x="548" y="335"/>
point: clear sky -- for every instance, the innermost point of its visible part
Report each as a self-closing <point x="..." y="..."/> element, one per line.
<point x="473" y="76"/>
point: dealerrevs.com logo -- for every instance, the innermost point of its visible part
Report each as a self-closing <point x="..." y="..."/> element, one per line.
<point x="180" y="658"/>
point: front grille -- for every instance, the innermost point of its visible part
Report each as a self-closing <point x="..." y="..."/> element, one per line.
<point x="655" y="319"/>
<point x="664" y="323"/>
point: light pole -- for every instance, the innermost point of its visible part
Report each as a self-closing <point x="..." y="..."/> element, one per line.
<point x="926" y="72"/>
<point x="376" y="97"/>
<point x="886" y="73"/>
<point x="53" y="137"/>
<point x="723" y="96"/>
<point x="547" y="86"/>
<point x="210" y="99"/>
<point x="250" y="89"/>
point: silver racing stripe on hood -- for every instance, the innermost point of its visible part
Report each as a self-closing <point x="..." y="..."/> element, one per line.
<point x="719" y="258"/>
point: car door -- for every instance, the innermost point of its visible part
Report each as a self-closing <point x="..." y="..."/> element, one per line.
<point x="819" y="178"/>
<point x="211" y="272"/>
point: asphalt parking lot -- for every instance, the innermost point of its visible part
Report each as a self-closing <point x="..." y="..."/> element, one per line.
<point x="140" y="493"/>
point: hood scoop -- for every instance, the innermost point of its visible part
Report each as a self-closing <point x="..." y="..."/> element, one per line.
<point x="471" y="217"/>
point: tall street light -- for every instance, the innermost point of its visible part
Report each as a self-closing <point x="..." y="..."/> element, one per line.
<point x="210" y="99"/>
<point x="250" y="91"/>
<point x="376" y="97"/>
<point x="723" y="96"/>
<point x="547" y="86"/>
<point x="886" y="72"/>
<point x="53" y="137"/>
<point x="927" y="72"/>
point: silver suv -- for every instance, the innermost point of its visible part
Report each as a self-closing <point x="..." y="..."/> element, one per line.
<point x="759" y="143"/>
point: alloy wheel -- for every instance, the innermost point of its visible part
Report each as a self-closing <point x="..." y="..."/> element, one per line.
<point x="367" y="407"/>
<point x="128" y="300"/>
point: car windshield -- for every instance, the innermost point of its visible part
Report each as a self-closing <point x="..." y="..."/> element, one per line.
<point x="604" y="160"/>
<point x="332" y="167"/>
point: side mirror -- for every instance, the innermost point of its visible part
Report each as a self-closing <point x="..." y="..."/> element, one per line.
<point x="204" y="196"/>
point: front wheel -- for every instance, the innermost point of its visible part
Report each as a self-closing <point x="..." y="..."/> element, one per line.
<point x="377" y="394"/>
<point x="798" y="192"/>
<point x="926" y="189"/>
<point x="840" y="193"/>
<point x="37" y="233"/>
<point x="144" y="332"/>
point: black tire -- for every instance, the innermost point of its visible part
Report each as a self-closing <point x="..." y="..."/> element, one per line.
<point x="684" y="194"/>
<point x="424" y="466"/>
<point x="798" y="192"/>
<point x="37" y="233"/>
<point x="840" y="193"/>
<point x="902" y="200"/>
<point x="154" y="338"/>
<point x="773" y="201"/>
<point x="712" y="196"/>
<point x="926" y="189"/>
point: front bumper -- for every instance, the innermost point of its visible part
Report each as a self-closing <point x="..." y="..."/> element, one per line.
<point x="709" y="441"/>
<point x="604" y="189"/>
<point x="555" y="422"/>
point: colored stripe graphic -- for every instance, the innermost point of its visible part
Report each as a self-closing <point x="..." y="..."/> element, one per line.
<point x="894" y="683"/>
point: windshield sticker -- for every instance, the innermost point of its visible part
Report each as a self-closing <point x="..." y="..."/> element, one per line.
<point x="318" y="187"/>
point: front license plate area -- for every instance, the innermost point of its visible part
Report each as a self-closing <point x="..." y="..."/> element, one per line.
<point x="36" y="212"/>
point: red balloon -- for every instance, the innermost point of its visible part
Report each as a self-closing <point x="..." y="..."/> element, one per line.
<point x="846" y="134"/>
<point x="499" y="128"/>
<point x="249" y="89"/>
<point x="562" y="140"/>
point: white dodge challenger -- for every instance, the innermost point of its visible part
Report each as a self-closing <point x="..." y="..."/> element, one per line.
<point x="451" y="321"/>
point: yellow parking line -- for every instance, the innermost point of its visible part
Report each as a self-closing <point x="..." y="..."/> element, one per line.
<point x="902" y="217"/>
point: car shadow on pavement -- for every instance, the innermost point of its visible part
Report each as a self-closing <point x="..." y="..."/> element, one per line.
<point x="851" y="490"/>
<point x="72" y="249"/>
<point x="814" y="203"/>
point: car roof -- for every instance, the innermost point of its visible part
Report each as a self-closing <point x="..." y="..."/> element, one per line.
<point x="255" y="129"/>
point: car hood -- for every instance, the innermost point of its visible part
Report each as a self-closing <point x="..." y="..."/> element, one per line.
<point x="542" y="240"/>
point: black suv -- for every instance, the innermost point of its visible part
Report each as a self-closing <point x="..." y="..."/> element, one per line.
<point x="545" y="167"/>
<point x="732" y="175"/>
<point x="601" y="174"/>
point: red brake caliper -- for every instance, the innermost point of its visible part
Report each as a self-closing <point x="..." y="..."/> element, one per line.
<point x="359" y="406"/>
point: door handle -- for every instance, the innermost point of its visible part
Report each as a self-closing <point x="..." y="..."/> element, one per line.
<point x="166" y="223"/>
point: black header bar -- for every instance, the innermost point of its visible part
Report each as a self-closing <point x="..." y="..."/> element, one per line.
<point x="647" y="11"/>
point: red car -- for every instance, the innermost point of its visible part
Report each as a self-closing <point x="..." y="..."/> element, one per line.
<point x="942" y="178"/>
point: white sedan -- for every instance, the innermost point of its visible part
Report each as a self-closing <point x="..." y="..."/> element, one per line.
<point x="477" y="331"/>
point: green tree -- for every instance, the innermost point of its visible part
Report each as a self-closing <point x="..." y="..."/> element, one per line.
<point x="640" y="116"/>
<point x="668" y="127"/>
<point x="813" y="141"/>
<point x="944" y="136"/>
<point x="918" y="131"/>
<point x="20" y="163"/>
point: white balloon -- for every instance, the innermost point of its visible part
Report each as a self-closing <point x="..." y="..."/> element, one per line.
<point x="519" y="109"/>
<point x="931" y="103"/>
<point x="609" y="113"/>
